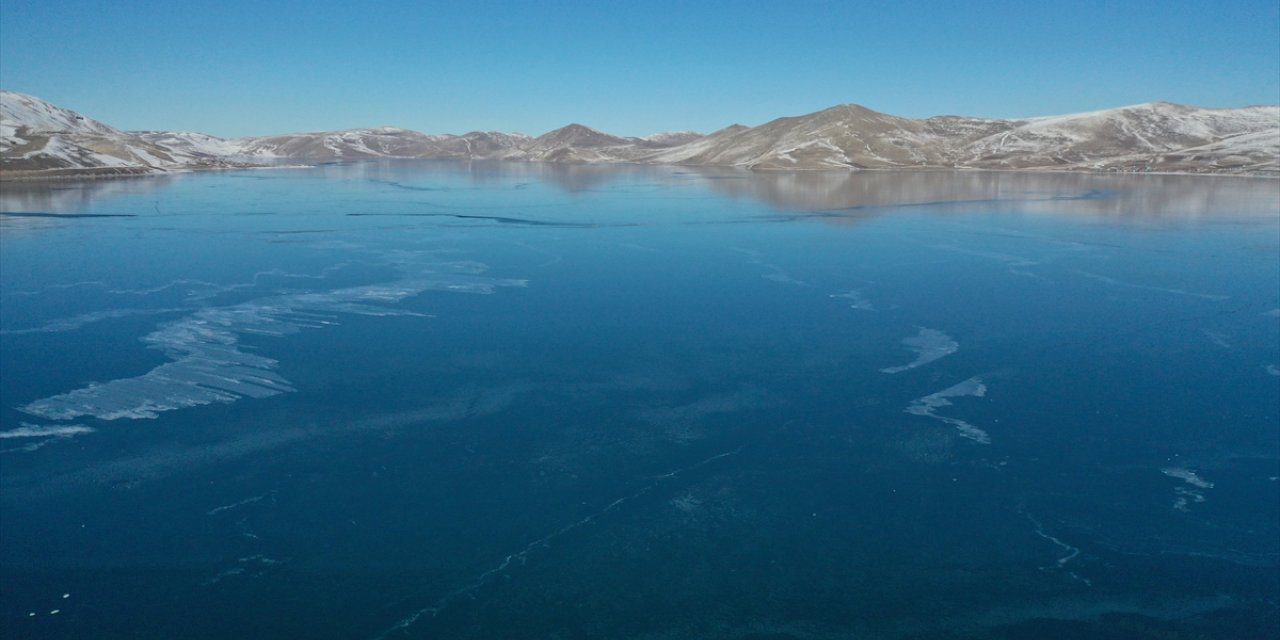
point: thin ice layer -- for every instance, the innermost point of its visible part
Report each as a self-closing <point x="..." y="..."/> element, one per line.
<point x="208" y="364"/>
<point x="929" y="345"/>
<point x="928" y="406"/>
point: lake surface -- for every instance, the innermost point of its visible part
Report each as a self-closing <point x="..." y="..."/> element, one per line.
<point x="433" y="400"/>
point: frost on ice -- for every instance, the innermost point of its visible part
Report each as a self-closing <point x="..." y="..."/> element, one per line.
<point x="1185" y="496"/>
<point x="929" y="345"/>
<point x="208" y="364"/>
<point x="928" y="407"/>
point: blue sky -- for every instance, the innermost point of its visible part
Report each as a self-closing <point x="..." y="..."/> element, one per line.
<point x="254" y="67"/>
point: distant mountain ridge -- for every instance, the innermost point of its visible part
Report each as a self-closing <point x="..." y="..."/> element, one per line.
<point x="39" y="139"/>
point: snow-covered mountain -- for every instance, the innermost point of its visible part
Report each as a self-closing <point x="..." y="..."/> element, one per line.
<point x="580" y="143"/>
<point x="672" y="138"/>
<point x="842" y="137"/>
<point x="38" y="139"/>
<point x="1158" y="136"/>
<point x="20" y="110"/>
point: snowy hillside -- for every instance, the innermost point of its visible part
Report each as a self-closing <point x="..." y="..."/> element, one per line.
<point x="1142" y="134"/>
<point x="842" y="137"/>
<point x="1157" y="136"/>
<point x="38" y="116"/>
<point x="38" y="139"/>
<point x="580" y="143"/>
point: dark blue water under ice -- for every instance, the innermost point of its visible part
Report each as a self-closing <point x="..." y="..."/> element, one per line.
<point x="434" y="400"/>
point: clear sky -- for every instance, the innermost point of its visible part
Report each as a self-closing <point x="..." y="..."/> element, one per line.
<point x="248" y="67"/>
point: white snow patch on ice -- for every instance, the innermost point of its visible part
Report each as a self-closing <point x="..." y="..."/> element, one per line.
<point x="209" y="366"/>
<point x="856" y="300"/>
<point x="929" y="345"/>
<point x="28" y="430"/>
<point x="1184" y="497"/>
<point x="928" y="407"/>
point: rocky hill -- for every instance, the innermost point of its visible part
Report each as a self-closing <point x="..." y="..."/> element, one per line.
<point x="41" y="139"/>
<point x="1157" y="136"/>
<point x="38" y="139"/>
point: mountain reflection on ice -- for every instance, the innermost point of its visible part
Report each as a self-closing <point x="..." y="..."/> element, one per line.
<point x="832" y="195"/>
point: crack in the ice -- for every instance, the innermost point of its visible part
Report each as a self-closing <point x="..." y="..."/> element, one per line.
<point x="522" y="555"/>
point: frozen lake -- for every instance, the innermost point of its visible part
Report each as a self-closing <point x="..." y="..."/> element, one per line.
<point x="438" y="400"/>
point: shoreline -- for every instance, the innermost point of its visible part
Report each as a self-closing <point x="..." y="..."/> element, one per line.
<point x="71" y="174"/>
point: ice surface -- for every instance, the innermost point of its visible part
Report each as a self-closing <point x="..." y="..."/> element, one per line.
<point x="929" y="405"/>
<point x="1217" y="338"/>
<point x="1188" y="476"/>
<point x="774" y="273"/>
<point x="45" y="433"/>
<point x="250" y="566"/>
<point x="227" y="507"/>
<point x="1069" y="552"/>
<point x="28" y="430"/>
<point x="1005" y="258"/>
<point x="208" y="365"/>
<point x="1185" y="497"/>
<point x="521" y="556"/>
<point x="856" y="299"/>
<point x="75" y="322"/>
<point x="1131" y="285"/>
<point x="929" y="345"/>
